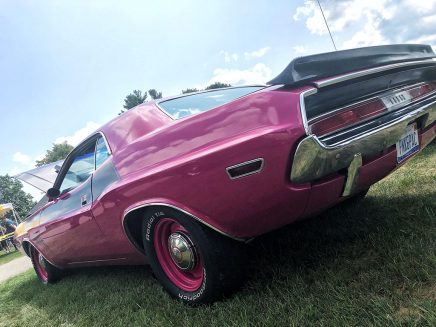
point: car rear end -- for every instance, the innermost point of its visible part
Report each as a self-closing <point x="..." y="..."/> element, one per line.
<point x="364" y="123"/>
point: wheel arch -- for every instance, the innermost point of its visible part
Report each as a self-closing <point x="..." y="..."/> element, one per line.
<point x="26" y="247"/>
<point x="28" y="244"/>
<point x="132" y="220"/>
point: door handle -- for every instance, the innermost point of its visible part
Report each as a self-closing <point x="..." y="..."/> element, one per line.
<point x="84" y="200"/>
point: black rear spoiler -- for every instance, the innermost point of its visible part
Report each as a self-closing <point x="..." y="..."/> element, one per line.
<point x="315" y="67"/>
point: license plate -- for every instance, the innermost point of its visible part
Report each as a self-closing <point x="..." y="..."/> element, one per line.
<point x="396" y="100"/>
<point x="408" y="143"/>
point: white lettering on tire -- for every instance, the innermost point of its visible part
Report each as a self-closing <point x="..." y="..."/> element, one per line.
<point x="150" y="222"/>
<point x="195" y="295"/>
<point x="147" y="233"/>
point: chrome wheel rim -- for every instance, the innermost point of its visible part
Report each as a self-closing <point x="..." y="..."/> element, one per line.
<point x="181" y="250"/>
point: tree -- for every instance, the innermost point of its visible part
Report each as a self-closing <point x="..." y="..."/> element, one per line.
<point x="136" y="97"/>
<point x="133" y="99"/>
<point x="11" y="191"/>
<point x="217" y="85"/>
<point x="58" y="152"/>
<point x="190" y="90"/>
<point x="154" y="94"/>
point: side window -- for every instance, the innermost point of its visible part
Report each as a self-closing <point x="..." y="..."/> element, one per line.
<point x="101" y="152"/>
<point x="81" y="168"/>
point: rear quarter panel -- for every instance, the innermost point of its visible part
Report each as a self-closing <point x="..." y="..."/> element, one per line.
<point x="184" y="163"/>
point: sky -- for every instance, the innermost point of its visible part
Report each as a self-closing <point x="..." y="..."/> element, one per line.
<point x="66" y="66"/>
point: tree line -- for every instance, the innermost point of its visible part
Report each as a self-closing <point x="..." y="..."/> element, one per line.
<point x="137" y="97"/>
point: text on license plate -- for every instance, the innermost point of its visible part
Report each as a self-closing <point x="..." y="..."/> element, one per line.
<point x="408" y="143"/>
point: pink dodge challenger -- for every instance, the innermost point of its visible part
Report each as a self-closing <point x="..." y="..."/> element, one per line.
<point x="183" y="182"/>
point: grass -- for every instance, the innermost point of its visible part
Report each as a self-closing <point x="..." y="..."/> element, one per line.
<point x="6" y="257"/>
<point x="370" y="264"/>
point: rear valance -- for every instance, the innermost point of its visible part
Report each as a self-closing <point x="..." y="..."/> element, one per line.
<point x="315" y="67"/>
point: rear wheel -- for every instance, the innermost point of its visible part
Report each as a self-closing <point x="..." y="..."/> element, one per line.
<point x="46" y="272"/>
<point x="193" y="263"/>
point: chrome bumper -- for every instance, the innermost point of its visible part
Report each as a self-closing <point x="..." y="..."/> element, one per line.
<point x="314" y="159"/>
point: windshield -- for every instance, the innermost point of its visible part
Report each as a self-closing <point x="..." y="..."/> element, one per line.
<point x="200" y="102"/>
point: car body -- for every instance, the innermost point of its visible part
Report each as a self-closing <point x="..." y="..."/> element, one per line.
<point x="233" y="164"/>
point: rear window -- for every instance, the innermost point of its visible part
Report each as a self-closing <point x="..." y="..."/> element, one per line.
<point x="196" y="103"/>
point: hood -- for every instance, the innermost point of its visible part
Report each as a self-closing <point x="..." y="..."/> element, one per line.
<point x="41" y="177"/>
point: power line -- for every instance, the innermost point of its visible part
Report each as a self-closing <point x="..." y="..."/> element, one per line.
<point x="326" y="24"/>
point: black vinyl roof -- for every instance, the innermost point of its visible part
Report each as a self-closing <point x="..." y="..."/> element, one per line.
<point x="314" y="67"/>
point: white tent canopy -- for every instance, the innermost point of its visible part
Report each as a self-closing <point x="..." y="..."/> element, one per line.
<point x="5" y="208"/>
<point x="8" y="207"/>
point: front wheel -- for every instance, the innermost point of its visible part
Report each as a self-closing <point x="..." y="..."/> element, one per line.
<point x="193" y="263"/>
<point x="46" y="272"/>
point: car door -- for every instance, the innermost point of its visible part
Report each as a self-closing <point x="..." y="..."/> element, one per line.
<point x="68" y="229"/>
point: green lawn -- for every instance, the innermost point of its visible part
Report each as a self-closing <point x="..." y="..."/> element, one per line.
<point x="373" y="263"/>
<point x="6" y="257"/>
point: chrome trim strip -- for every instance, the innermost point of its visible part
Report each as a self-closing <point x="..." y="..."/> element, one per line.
<point x="159" y="101"/>
<point x="67" y="158"/>
<point x="105" y="141"/>
<point x="262" y="163"/>
<point x="86" y="140"/>
<point x="344" y="131"/>
<point x="179" y="209"/>
<point x="352" y="175"/>
<point x="303" y="95"/>
<point x="314" y="159"/>
<point x="371" y="71"/>
<point x="95" y="261"/>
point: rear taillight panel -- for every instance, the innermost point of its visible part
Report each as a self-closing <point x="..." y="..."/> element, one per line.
<point x="368" y="109"/>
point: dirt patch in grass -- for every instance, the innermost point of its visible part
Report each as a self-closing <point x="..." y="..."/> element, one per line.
<point x="406" y="315"/>
<point x="7" y="257"/>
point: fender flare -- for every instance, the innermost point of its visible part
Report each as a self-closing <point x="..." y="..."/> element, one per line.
<point x="138" y="208"/>
<point x="27" y="243"/>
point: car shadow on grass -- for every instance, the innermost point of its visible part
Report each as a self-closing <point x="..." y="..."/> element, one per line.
<point x="353" y="246"/>
<point x="347" y="231"/>
<point x="304" y="244"/>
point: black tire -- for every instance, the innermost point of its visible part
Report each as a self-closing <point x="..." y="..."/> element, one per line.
<point x="46" y="272"/>
<point x="220" y="256"/>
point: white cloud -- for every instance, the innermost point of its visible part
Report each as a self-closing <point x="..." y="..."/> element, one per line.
<point x="341" y="14"/>
<point x="362" y="22"/>
<point x="369" y="35"/>
<point x="256" y="53"/>
<point x="299" y="49"/>
<point x="22" y="158"/>
<point x="421" y="7"/>
<point x="228" y="57"/>
<point x="79" y="135"/>
<point x="24" y="161"/>
<point x="258" y="74"/>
